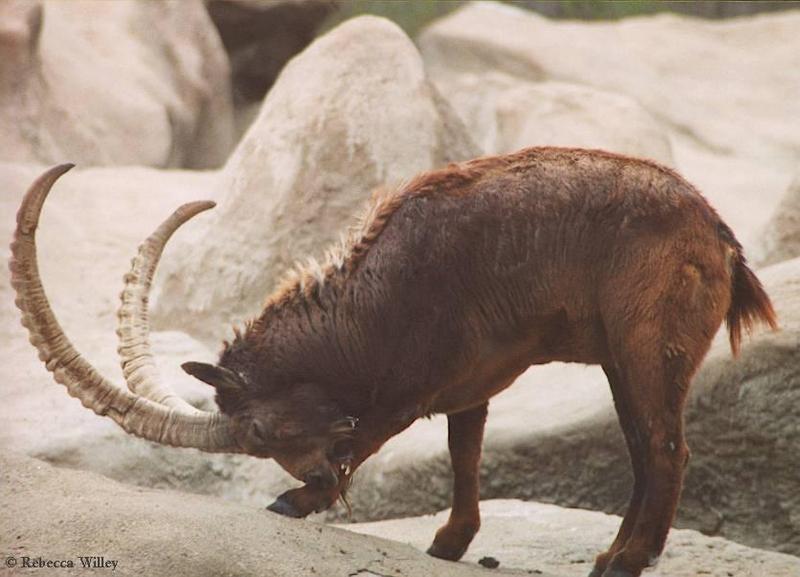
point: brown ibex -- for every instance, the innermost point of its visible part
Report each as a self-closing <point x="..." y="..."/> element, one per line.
<point x="450" y="288"/>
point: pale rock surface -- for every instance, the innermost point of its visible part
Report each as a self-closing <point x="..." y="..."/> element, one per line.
<point x="781" y="234"/>
<point x="560" y="441"/>
<point x="61" y="514"/>
<point x="697" y="76"/>
<point x="352" y="112"/>
<point x="745" y="191"/>
<point x="103" y="83"/>
<point x="505" y="114"/>
<point x="535" y="537"/>
<point x="719" y="88"/>
<point x="58" y="514"/>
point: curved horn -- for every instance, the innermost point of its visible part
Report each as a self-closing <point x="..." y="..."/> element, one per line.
<point x="138" y="365"/>
<point x="135" y="414"/>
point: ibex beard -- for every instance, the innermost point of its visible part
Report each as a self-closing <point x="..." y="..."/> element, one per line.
<point x="448" y="289"/>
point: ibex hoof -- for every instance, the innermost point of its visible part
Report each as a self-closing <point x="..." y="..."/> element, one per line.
<point x="285" y="508"/>
<point x="444" y="553"/>
<point x="617" y="573"/>
<point x="596" y="572"/>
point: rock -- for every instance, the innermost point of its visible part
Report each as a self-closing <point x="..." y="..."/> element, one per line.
<point x="745" y="191"/>
<point x="101" y="83"/>
<point x="700" y="79"/>
<point x="553" y="436"/>
<point x="260" y="36"/>
<point x="540" y="539"/>
<point x="354" y="111"/>
<point x="653" y="59"/>
<point x="781" y="236"/>
<point x="489" y="562"/>
<point x="59" y="514"/>
<point x="505" y="114"/>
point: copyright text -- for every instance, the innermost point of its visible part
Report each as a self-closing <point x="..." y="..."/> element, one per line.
<point x="85" y="562"/>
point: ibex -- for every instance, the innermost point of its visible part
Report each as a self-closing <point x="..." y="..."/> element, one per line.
<point x="449" y="289"/>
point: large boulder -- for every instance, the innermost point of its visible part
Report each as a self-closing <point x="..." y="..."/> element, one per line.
<point x="504" y="114"/>
<point x="654" y="59"/>
<point x="540" y="539"/>
<point x="352" y="112"/>
<point x="719" y="88"/>
<point x="781" y="235"/>
<point x="554" y="437"/>
<point x="104" y="83"/>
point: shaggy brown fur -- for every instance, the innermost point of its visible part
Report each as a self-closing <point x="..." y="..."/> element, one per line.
<point x="462" y="279"/>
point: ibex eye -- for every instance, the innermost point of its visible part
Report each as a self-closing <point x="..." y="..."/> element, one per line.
<point x="258" y="432"/>
<point x="341" y="451"/>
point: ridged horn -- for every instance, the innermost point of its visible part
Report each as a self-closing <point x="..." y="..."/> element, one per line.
<point x="134" y="413"/>
<point x="133" y="330"/>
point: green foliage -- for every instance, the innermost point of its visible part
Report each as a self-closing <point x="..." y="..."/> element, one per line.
<point x="596" y="9"/>
<point x="410" y="15"/>
<point x="413" y="15"/>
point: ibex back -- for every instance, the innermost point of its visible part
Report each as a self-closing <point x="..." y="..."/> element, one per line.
<point x="445" y="293"/>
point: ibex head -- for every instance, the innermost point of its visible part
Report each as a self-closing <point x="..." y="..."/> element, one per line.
<point x="298" y="426"/>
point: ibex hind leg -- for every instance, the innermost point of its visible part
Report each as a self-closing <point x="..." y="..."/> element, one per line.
<point x="622" y="403"/>
<point x="654" y="413"/>
<point x="654" y="361"/>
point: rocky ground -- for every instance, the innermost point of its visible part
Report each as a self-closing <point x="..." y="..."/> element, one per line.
<point x="532" y="537"/>
<point x="149" y="531"/>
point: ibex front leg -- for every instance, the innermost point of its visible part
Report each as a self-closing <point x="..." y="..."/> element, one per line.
<point x="465" y="435"/>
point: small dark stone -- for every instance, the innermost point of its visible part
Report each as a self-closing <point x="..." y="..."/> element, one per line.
<point x="489" y="562"/>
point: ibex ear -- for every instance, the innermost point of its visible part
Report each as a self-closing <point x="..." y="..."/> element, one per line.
<point x="218" y="377"/>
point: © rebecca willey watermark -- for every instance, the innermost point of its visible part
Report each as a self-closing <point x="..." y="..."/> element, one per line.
<point x="85" y="562"/>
